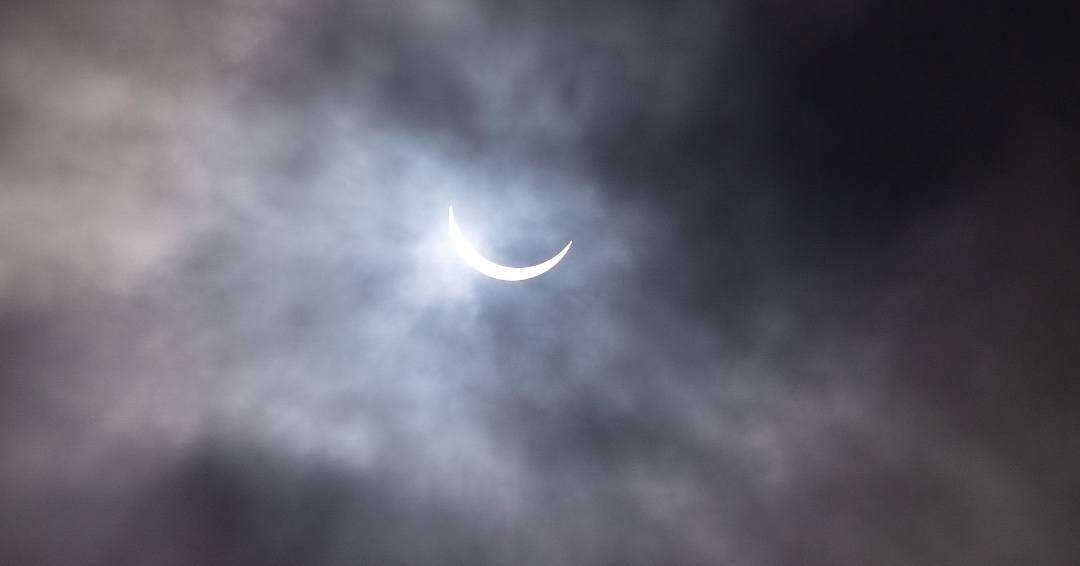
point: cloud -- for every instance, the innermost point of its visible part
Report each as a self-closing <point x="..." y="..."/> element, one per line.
<point x="805" y="318"/>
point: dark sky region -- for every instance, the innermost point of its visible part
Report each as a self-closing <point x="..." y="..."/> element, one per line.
<point x="822" y="306"/>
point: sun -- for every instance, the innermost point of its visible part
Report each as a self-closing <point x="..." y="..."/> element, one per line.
<point x="492" y="269"/>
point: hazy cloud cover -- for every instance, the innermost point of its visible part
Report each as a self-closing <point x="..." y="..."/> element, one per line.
<point x="821" y="307"/>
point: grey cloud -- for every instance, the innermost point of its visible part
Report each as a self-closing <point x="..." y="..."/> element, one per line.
<point x="801" y="322"/>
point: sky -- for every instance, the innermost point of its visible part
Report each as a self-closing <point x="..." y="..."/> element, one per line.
<point x="822" y="305"/>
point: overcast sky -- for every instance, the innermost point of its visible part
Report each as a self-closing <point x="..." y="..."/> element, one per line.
<point x="822" y="306"/>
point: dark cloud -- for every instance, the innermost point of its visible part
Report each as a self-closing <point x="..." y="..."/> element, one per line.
<point x="819" y="309"/>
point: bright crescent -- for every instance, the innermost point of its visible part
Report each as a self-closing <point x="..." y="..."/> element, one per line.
<point x="492" y="269"/>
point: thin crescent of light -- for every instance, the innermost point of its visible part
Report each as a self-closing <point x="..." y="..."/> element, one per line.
<point x="492" y="269"/>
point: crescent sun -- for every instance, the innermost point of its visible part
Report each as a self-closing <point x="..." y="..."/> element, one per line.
<point x="492" y="269"/>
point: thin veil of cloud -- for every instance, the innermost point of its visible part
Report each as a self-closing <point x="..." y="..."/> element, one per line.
<point x="819" y="307"/>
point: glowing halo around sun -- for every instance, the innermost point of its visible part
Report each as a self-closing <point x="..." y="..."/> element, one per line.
<point x="492" y="269"/>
